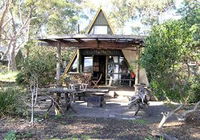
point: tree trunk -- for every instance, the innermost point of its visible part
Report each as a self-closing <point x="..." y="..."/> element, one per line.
<point x="3" y="17"/>
<point x="11" y="61"/>
<point x="58" y="84"/>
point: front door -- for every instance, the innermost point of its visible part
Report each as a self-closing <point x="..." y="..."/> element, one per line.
<point x="99" y="67"/>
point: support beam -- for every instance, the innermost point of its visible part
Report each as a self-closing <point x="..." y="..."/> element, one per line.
<point x="63" y="41"/>
<point x="79" y="40"/>
<point x="137" y="80"/>
<point x="97" y="44"/>
<point x="58" y="64"/>
<point x="78" y="59"/>
<point x="57" y="96"/>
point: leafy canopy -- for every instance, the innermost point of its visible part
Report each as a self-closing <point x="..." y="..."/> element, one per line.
<point x="169" y="50"/>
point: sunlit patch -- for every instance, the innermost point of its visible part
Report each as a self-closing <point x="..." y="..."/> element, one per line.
<point x="156" y="103"/>
<point x="196" y="135"/>
<point x="80" y="128"/>
<point x="172" y="124"/>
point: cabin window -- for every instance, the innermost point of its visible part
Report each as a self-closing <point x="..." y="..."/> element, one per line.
<point x="74" y="67"/>
<point x="88" y="64"/>
<point x="118" y="73"/>
<point x="100" y="30"/>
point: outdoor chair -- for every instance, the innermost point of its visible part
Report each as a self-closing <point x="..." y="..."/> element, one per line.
<point x="95" y="82"/>
<point x="87" y="78"/>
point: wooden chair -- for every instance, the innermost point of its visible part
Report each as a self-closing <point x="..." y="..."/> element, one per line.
<point x="87" y="78"/>
<point x="95" y="82"/>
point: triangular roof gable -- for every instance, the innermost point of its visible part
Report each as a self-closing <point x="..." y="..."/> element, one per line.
<point x="100" y="19"/>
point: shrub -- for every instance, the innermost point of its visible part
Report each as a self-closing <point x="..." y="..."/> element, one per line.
<point x="195" y="91"/>
<point x="10" y="101"/>
<point x="169" y="50"/>
<point x="11" y="135"/>
<point x="40" y="64"/>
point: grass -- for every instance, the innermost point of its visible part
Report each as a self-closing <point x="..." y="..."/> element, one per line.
<point x="140" y="121"/>
<point x="11" y="102"/>
<point x="12" y="135"/>
<point x="8" y="76"/>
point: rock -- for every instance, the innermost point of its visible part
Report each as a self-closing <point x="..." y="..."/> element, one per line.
<point x="193" y="118"/>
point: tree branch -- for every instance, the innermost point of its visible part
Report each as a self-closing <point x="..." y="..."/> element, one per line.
<point x="3" y="15"/>
<point x="166" y="115"/>
<point x="182" y="117"/>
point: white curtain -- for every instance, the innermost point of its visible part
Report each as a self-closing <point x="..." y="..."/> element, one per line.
<point x="131" y="57"/>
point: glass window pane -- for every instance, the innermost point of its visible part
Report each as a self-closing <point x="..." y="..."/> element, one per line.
<point x="115" y="77"/>
<point x="115" y="59"/>
<point x="100" y="30"/>
<point x="88" y="64"/>
<point x="121" y="60"/>
<point x="116" y="68"/>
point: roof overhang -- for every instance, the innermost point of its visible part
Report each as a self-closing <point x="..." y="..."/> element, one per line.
<point x="84" y="41"/>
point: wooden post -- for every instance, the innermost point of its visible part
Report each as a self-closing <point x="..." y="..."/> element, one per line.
<point x="58" y="56"/>
<point x="78" y="61"/>
<point x="106" y="73"/>
<point x="137" y="80"/>
<point x="58" y="83"/>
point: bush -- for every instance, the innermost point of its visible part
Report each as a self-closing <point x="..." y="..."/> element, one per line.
<point x="10" y="101"/>
<point x="169" y="50"/>
<point x="41" y="65"/>
<point x="11" y="135"/>
<point x="195" y="91"/>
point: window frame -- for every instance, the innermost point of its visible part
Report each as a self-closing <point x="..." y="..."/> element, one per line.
<point x="84" y="64"/>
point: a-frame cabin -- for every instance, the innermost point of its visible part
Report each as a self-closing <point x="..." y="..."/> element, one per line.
<point x="101" y="52"/>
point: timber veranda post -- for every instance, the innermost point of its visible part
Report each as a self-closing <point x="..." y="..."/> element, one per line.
<point x="138" y="66"/>
<point x="58" y="74"/>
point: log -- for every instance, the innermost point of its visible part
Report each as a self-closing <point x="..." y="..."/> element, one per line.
<point x="166" y="115"/>
<point x="183" y="116"/>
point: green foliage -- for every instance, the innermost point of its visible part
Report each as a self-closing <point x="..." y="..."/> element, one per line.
<point x="194" y="90"/>
<point x="139" y="121"/>
<point x="169" y="50"/>
<point x="10" y="101"/>
<point x="19" y="59"/>
<point x="57" y="16"/>
<point x="8" y="76"/>
<point x="146" y="11"/>
<point x="85" y="137"/>
<point x="24" y="135"/>
<point x="11" y="135"/>
<point x="40" y="64"/>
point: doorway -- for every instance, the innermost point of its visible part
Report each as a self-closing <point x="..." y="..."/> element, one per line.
<point x="99" y="67"/>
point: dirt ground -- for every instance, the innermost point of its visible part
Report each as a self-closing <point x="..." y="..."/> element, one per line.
<point x="113" y="121"/>
<point x="71" y="127"/>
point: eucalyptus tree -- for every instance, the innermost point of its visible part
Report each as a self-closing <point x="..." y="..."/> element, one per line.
<point x="145" y="11"/>
<point x="23" y="20"/>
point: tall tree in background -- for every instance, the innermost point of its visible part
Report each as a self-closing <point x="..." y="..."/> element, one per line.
<point x="22" y="21"/>
<point x="4" y="10"/>
<point x="14" y="29"/>
<point x="145" y="11"/>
